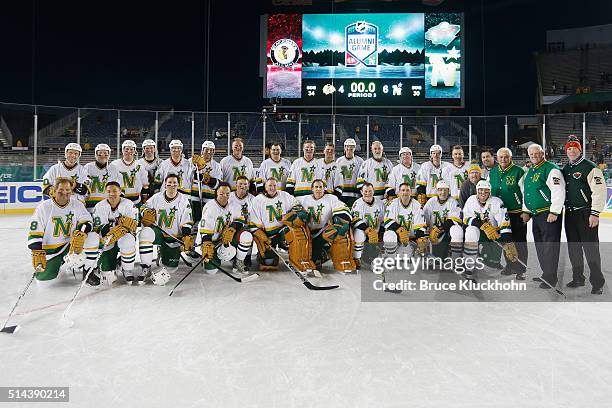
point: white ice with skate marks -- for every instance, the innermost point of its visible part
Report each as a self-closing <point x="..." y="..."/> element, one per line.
<point x="274" y="343"/>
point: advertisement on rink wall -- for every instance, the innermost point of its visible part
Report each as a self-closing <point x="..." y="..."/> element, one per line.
<point x="20" y="197"/>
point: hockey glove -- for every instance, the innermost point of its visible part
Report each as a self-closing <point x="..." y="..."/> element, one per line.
<point x="128" y="223"/>
<point x="262" y="241"/>
<point x="115" y="234"/>
<point x="208" y="251"/>
<point x="403" y="234"/>
<point x="188" y="241"/>
<point x="198" y="161"/>
<point x="39" y="259"/>
<point x="510" y="250"/>
<point x="490" y="231"/>
<point x="227" y="235"/>
<point x="77" y="241"/>
<point x="434" y="234"/>
<point x="149" y="217"/>
<point x="422" y="245"/>
<point x="372" y="235"/>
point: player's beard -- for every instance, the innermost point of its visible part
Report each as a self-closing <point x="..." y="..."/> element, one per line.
<point x="378" y="156"/>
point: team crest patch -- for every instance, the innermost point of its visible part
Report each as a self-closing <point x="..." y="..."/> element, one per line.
<point x="361" y="44"/>
<point x="556" y="181"/>
<point x="577" y="175"/>
<point x="598" y="180"/>
<point x="284" y="53"/>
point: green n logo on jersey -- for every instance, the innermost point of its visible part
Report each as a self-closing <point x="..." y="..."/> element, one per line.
<point x="129" y="179"/>
<point x="347" y="171"/>
<point x="381" y="174"/>
<point x="238" y="171"/>
<point x="315" y="215"/>
<point x="166" y="219"/>
<point x="405" y="221"/>
<point x="434" y="179"/>
<point x="96" y="185"/>
<point x="59" y="228"/>
<point x="308" y="173"/>
<point x="222" y="221"/>
<point x="275" y="212"/>
<point x="440" y="217"/>
<point x="372" y="221"/>
<point x="278" y="174"/>
<point x="459" y="178"/>
<point x="410" y="179"/>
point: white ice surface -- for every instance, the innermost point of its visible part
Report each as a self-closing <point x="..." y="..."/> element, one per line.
<point x="273" y="343"/>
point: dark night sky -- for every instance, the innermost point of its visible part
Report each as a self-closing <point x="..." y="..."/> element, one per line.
<point x="134" y="53"/>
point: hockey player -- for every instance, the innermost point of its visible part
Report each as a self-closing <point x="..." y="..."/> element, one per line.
<point x="455" y="173"/>
<point x="150" y="161"/>
<point x="429" y="174"/>
<point x="178" y="165"/>
<point x="165" y="215"/>
<point x="71" y="168"/>
<point x="242" y="198"/>
<point x="328" y="220"/>
<point x="367" y="220"/>
<point x="347" y="168"/>
<point x="328" y="164"/>
<point x="585" y="199"/>
<point x="405" y="172"/>
<point x="486" y="220"/>
<point x="206" y="178"/>
<point x="304" y="171"/>
<point x="60" y="229"/>
<point x="99" y="173"/>
<point x="443" y="218"/>
<point x="276" y="167"/>
<point x="134" y="178"/>
<point x="236" y="165"/>
<point x="266" y="222"/>
<point x="223" y="224"/>
<point x="375" y="170"/>
<point x="506" y="181"/>
<point x="404" y="220"/>
<point x="544" y="196"/>
<point x="115" y="221"/>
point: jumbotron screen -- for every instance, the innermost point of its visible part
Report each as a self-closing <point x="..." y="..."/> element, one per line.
<point x="365" y="60"/>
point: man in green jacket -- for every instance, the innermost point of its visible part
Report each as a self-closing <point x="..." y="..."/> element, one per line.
<point x="585" y="198"/>
<point x="544" y="196"/>
<point x="506" y="180"/>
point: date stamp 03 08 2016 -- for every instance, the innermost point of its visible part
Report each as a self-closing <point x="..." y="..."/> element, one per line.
<point x="34" y="394"/>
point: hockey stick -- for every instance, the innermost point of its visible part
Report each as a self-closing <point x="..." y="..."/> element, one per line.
<point x="559" y="291"/>
<point x="185" y="277"/>
<point x="65" y="321"/>
<point x="13" y="329"/>
<point x="305" y="281"/>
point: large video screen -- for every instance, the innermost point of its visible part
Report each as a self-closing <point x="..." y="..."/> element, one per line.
<point x="365" y="60"/>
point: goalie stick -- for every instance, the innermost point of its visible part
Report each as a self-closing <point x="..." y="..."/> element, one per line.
<point x="305" y="281"/>
<point x="13" y="329"/>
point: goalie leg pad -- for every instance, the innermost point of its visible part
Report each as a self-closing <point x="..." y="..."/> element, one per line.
<point x="342" y="254"/>
<point x="300" y="248"/>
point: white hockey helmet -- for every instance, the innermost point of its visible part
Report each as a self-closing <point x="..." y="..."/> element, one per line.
<point x="148" y="142"/>
<point x="176" y="143"/>
<point x="102" y="146"/>
<point x="483" y="184"/>
<point x="208" y="145"/>
<point x="442" y="184"/>
<point x="73" y="146"/>
<point x="128" y="143"/>
<point x="405" y="150"/>
<point x="350" y="142"/>
<point x="434" y="148"/>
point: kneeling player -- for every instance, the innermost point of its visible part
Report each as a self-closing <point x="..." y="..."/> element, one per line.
<point x="59" y="230"/>
<point x="266" y="222"/>
<point x="222" y="225"/>
<point x="166" y="219"/>
<point x="443" y="217"/>
<point x="404" y="220"/>
<point x="487" y="222"/>
<point x="368" y="216"/>
<point x="115" y="221"/>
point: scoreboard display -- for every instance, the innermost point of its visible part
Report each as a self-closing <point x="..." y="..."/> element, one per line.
<point x="365" y="60"/>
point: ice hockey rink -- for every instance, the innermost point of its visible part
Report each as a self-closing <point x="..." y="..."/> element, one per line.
<point x="273" y="343"/>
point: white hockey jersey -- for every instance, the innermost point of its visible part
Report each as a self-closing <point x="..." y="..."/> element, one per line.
<point x="267" y="212"/>
<point x="104" y="214"/>
<point x="133" y="178"/>
<point x="96" y="182"/>
<point x="429" y="175"/>
<point x="377" y="173"/>
<point x="213" y="169"/>
<point x="410" y="217"/>
<point x="232" y="169"/>
<point x="183" y="169"/>
<point x="329" y="171"/>
<point x="347" y="172"/>
<point x="172" y="214"/>
<point x="277" y="170"/>
<point x="76" y="173"/>
<point x="244" y="203"/>
<point x="302" y="174"/>
<point x="215" y="218"/>
<point x="437" y="213"/>
<point x="52" y="225"/>
<point x="402" y="174"/>
<point x="455" y="176"/>
<point x="322" y="210"/>
<point x="493" y="212"/>
<point x="151" y="167"/>
<point x="370" y="215"/>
